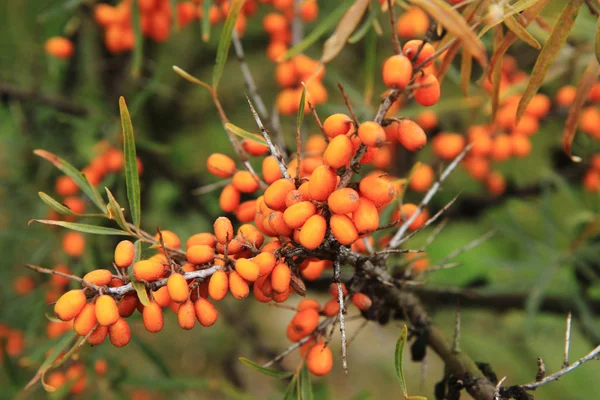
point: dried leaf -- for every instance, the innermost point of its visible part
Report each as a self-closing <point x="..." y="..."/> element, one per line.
<point x="244" y="133"/>
<point x="513" y="9"/>
<point x="298" y="285"/>
<point x="549" y="52"/>
<point x="466" y="65"/>
<point x="456" y="24"/>
<point x="585" y="84"/>
<point x="496" y="74"/>
<point x="521" y="33"/>
<point x="346" y="26"/>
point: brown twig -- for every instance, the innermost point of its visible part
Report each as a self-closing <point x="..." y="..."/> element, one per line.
<point x="395" y="41"/>
<point x="63" y="105"/>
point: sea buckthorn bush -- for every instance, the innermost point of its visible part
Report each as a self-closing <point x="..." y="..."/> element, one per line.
<point x="288" y="173"/>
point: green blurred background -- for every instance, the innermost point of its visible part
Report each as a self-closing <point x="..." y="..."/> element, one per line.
<point x="177" y="128"/>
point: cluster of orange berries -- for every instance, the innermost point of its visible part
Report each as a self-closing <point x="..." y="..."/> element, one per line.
<point x="290" y="74"/>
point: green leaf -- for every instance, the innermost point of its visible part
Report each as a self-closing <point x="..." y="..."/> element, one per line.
<point x="86" y="228"/>
<point x="245" y="134"/>
<point x="52" y="318"/>
<point x="513" y="9"/>
<point x="141" y="291"/>
<point x="132" y="177"/>
<point x="59" y="8"/>
<point x="138" y="251"/>
<point x="154" y="357"/>
<point x="225" y="41"/>
<point x="291" y="392"/>
<point x="300" y="115"/>
<point x="416" y="398"/>
<point x="305" y="391"/>
<point x="549" y="53"/>
<point x="344" y="29"/>
<point x="138" y="49"/>
<point x="521" y="32"/>
<point x="366" y="27"/>
<point x="78" y="177"/>
<point x="398" y="358"/>
<point x="324" y="26"/>
<point x="370" y="65"/>
<point x="265" y="371"/>
<point x="57" y="350"/>
<point x="206" y="21"/>
<point x="56" y="206"/>
<point x="115" y="211"/>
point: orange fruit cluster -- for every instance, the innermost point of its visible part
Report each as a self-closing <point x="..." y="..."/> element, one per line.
<point x="74" y="375"/>
<point x="290" y="75"/>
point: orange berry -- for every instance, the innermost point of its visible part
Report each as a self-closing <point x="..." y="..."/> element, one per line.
<point x="409" y="134"/>
<point x="270" y="169"/>
<point x="207" y="239"/>
<point x="148" y="270"/>
<point x="229" y="200"/>
<point x="595" y="162"/>
<point x="448" y="145"/>
<point x="323" y="182"/>
<point x="245" y="182"/>
<point x="407" y="211"/>
<point x="591" y="181"/>
<point x="23" y="285"/>
<point x="170" y="239"/>
<point x="178" y="288"/>
<point x="59" y="47"/>
<point x="366" y="216"/>
<point x="218" y="285"/>
<point x="313" y="232"/>
<point x="337" y="124"/>
<point x="539" y="106"/>
<point x="66" y="186"/>
<point x="254" y="148"/>
<point x="161" y="296"/>
<point x="422" y="179"/>
<point x="565" y="96"/>
<point x="496" y="183"/>
<point x="338" y="152"/>
<point x="331" y="308"/>
<point x="114" y="160"/>
<point x="266" y="262"/>
<point x="280" y="278"/>
<point x="107" y="312"/>
<point x="309" y="10"/>
<point x="412" y="23"/>
<point x="294" y="197"/>
<point x="86" y="320"/>
<point x="361" y="301"/>
<point x="411" y="48"/>
<point x="275" y="194"/>
<point x="501" y="148"/>
<point x="186" y="315"/>
<point x="308" y="303"/>
<point x="343" y="229"/>
<point x="200" y="254"/>
<point x="220" y="165"/>
<point x="98" y="335"/>
<point x="427" y="120"/>
<point x="124" y="254"/>
<point x="152" y="316"/>
<point x="343" y="201"/>
<point x="247" y="269"/>
<point x="223" y="230"/>
<point x="70" y="304"/>
<point x="313" y="270"/>
<point x="305" y="322"/>
<point x="99" y="277"/>
<point x="428" y="93"/>
<point x="238" y="286"/>
<point x="333" y="289"/>
<point x="273" y="23"/>
<point x="101" y="367"/>
<point x="397" y="72"/>
<point x="127" y="305"/>
<point x="371" y="134"/>
<point x="377" y="189"/>
<point x="297" y="215"/>
<point x="56" y="379"/>
<point x="119" y="333"/>
<point x="520" y="145"/>
<point x="205" y="312"/>
<point x="73" y="244"/>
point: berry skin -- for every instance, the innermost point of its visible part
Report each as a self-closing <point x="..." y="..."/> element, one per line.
<point x="218" y="285"/>
<point x="361" y="301"/>
<point x="73" y="244"/>
<point x="66" y="186"/>
<point x="337" y="124"/>
<point x="98" y="335"/>
<point x="229" y="200"/>
<point x="186" y="315"/>
<point x="411" y="48"/>
<point x="127" y="305"/>
<point x="410" y="135"/>
<point x="448" y="145"/>
<point x="377" y="189"/>
<point x="98" y="277"/>
<point x="331" y="308"/>
<point x="220" y="165"/>
<point x="496" y="183"/>
<point x="124" y="254"/>
<point x="270" y="169"/>
<point x="343" y="201"/>
<point x="313" y="232"/>
<point x="280" y="278"/>
<point x="406" y="212"/>
<point x="247" y="269"/>
<point x="170" y="239"/>
<point x="245" y="182"/>
<point x="428" y="93"/>
<point x="206" y="313"/>
<point x="343" y="229"/>
<point x="366" y="216"/>
<point x="266" y="262"/>
<point x="319" y="359"/>
<point x="86" y="320"/>
<point x="422" y="179"/>
<point x="200" y="254"/>
<point x="119" y="333"/>
<point x="178" y="288"/>
<point x="152" y="317"/>
<point x="254" y="148"/>
<point x="70" y="304"/>
<point x="59" y="47"/>
<point x="338" y="152"/>
<point x="371" y="134"/>
<point x="107" y="312"/>
<point x="305" y="322"/>
<point x="223" y="230"/>
<point x="148" y="270"/>
<point x="297" y="215"/>
<point x="275" y="194"/>
<point x="207" y="239"/>
<point x="501" y="148"/>
<point x="397" y="72"/>
<point x="238" y="286"/>
<point x="323" y="182"/>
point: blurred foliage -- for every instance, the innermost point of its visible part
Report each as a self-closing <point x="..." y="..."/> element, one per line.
<point x="177" y="128"/>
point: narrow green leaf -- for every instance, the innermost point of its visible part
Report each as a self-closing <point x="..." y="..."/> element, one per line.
<point x="132" y="177"/>
<point x="57" y="350"/>
<point x="85" y="228"/>
<point x="521" y="32"/>
<point x="291" y="392"/>
<point x="324" y="26"/>
<point x="265" y="371"/>
<point x="365" y="28"/>
<point x="115" y="211"/>
<point x="300" y="115"/>
<point x="188" y="77"/>
<point x="52" y="318"/>
<point x="138" y="251"/>
<point x="245" y="134"/>
<point x="141" y="291"/>
<point x="549" y="53"/>
<point x="398" y="357"/>
<point x="225" y="41"/>
<point x="138" y="49"/>
<point x="597" y="44"/>
<point x="496" y="73"/>
<point x="157" y="360"/>
<point x="370" y="65"/>
<point x="305" y="390"/>
<point x="416" y="398"/>
<point x="511" y="10"/>
<point x="56" y="206"/>
<point x="344" y="29"/>
<point x="206" y="20"/>
<point x="10" y="367"/>
<point x="78" y="177"/>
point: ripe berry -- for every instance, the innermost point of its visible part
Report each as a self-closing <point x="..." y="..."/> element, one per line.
<point x="305" y="322"/>
<point x="366" y="216"/>
<point x="247" y="269"/>
<point x="205" y="312"/>
<point x="428" y="93"/>
<point x="107" y="312"/>
<point x="119" y="333"/>
<point x="371" y="134"/>
<point x="220" y="165"/>
<point x="377" y="189"/>
<point x="323" y="182"/>
<point x="86" y="320"/>
<point x="406" y="212"/>
<point x="178" y="288"/>
<point x="254" y="148"/>
<point x="170" y="239"/>
<point x="448" y="145"/>
<point x="313" y="232"/>
<point x="148" y="270"/>
<point x="70" y="304"/>
<point x="270" y="169"/>
<point x="397" y="72"/>
<point x="343" y="229"/>
<point x="338" y="152"/>
<point x="422" y="178"/>
<point x="186" y="315"/>
<point x="411" y="48"/>
<point x="201" y="238"/>
<point x="266" y="262"/>
<point x="280" y="278"/>
<point x="127" y="305"/>
<point x="200" y="254"/>
<point x="331" y="308"/>
<point x="297" y="215"/>
<point x="337" y="124"/>
<point x="223" y="230"/>
<point x="124" y="254"/>
<point x="218" y="285"/>
<point x="275" y="194"/>
<point x="361" y="301"/>
<point x="319" y="359"/>
<point x="98" y="277"/>
<point x="152" y="316"/>
<point x="238" y="286"/>
<point x="229" y="200"/>
<point x="59" y="47"/>
<point x="245" y="182"/>
<point x="98" y="335"/>
<point x="73" y="244"/>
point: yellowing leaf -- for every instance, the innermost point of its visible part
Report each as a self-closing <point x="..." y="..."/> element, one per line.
<point x="244" y="133"/>
<point x="549" y="52"/>
<point x="466" y="65"/>
<point x="456" y="24"/>
<point x="346" y="26"/>
<point x="587" y="81"/>
<point x="597" y="44"/>
<point x="507" y="13"/>
<point x="521" y="32"/>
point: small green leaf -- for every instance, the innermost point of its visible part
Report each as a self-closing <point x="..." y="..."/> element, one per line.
<point x="245" y="134"/>
<point x="399" y="349"/>
<point x="141" y="291"/>
<point x="86" y="228"/>
<point x="549" y="53"/>
<point x="138" y="49"/>
<point x="324" y="26"/>
<point x="52" y="318"/>
<point x="115" y="211"/>
<point x="78" y="177"/>
<point x="344" y="29"/>
<point x="225" y="41"/>
<point x="206" y="21"/>
<point x="138" y="251"/>
<point x="291" y="392"/>
<point x="57" y="350"/>
<point x="132" y="178"/>
<point x="56" y="206"/>
<point x="300" y="115"/>
<point x="305" y="391"/>
<point x="265" y="371"/>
